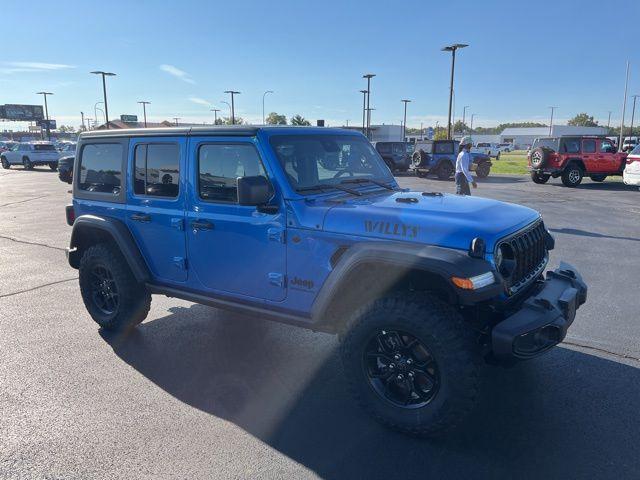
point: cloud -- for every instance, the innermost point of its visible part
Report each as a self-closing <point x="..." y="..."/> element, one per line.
<point x="176" y="72"/>
<point x="19" y="67"/>
<point x="200" y="101"/>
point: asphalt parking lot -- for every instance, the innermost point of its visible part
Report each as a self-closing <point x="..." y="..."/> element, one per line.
<point x="198" y="393"/>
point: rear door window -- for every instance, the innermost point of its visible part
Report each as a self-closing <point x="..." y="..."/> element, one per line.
<point x="571" y="145"/>
<point x="44" y="148"/>
<point x="157" y="170"/>
<point x="589" y="146"/>
<point x="383" y="147"/>
<point x="101" y="168"/>
<point x="443" y="147"/>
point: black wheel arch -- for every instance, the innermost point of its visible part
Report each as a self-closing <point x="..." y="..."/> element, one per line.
<point x="92" y="229"/>
<point x="368" y="271"/>
<point x="578" y="161"/>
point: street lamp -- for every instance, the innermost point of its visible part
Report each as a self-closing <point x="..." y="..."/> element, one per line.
<point x="104" y="92"/>
<point x="46" y="113"/>
<point x="144" y="104"/>
<point x="464" y="115"/>
<point x="624" y="109"/>
<point x="228" y="105"/>
<point x="82" y="116"/>
<point x="452" y="48"/>
<point x="233" y="112"/>
<point x="551" y="122"/>
<point x="633" y="112"/>
<point x="264" y="95"/>
<point x="609" y="120"/>
<point x="364" y="109"/>
<point x="368" y="76"/>
<point x="404" y="127"/>
<point x="95" y="110"/>
<point x="89" y="123"/>
<point x="473" y="115"/>
<point x="215" y="115"/>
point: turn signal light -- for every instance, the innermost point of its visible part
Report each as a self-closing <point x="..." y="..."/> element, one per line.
<point x="474" y="283"/>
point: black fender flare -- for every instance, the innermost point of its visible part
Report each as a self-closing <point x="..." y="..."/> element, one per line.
<point x="442" y="262"/>
<point x="84" y="225"/>
<point x="576" y="160"/>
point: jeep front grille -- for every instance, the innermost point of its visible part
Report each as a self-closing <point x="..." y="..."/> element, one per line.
<point x="530" y="253"/>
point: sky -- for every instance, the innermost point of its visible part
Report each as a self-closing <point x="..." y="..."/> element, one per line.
<point x="182" y="55"/>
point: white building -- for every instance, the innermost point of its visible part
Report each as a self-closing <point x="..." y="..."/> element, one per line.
<point x="522" y="138"/>
<point x="382" y="133"/>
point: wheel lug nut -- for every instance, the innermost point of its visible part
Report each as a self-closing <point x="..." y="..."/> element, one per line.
<point x="400" y="377"/>
<point x="411" y="374"/>
<point x="409" y="361"/>
<point x="396" y="356"/>
<point x="391" y="366"/>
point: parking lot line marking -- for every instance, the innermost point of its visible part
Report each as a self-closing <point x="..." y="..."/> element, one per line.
<point x="36" y="288"/>
<point x="23" y="201"/>
<point x="17" y="240"/>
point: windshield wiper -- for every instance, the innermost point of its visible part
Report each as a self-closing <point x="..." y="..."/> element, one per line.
<point x="369" y="180"/>
<point x="327" y="186"/>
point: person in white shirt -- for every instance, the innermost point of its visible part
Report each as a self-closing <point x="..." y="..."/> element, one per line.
<point x="463" y="162"/>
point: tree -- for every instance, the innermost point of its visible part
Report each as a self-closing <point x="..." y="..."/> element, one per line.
<point x="227" y="121"/>
<point x="460" y="127"/>
<point x="276" y="119"/>
<point x="440" y="133"/>
<point x="66" y="129"/>
<point x="300" y="120"/>
<point x="583" y="120"/>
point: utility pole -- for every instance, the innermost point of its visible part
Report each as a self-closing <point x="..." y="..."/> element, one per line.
<point x="633" y="113"/>
<point x="144" y="111"/>
<point x="452" y="48"/>
<point x="82" y="115"/>
<point x="215" y="115"/>
<point x="551" y="122"/>
<point x="368" y="76"/>
<point x="404" y="124"/>
<point x="624" y="109"/>
<point x="46" y="115"/>
<point x="176" y="120"/>
<point x="104" y="92"/>
<point x="464" y="115"/>
<point x="609" y="120"/>
<point x="364" y="110"/>
<point x="473" y="115"/>
<point x="233" y="111"/>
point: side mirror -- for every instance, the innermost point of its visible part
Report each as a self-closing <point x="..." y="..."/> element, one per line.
<point x="254" y="191"/>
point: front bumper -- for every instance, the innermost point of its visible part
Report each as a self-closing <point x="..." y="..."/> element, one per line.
<point x="543" y="319"/>
<point x="631" y="178"/>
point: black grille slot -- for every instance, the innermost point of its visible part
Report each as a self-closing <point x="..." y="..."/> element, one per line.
<point x="529" y="251"/>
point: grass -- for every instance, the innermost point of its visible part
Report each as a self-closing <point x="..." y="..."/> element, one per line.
<point x="513" y="163"/>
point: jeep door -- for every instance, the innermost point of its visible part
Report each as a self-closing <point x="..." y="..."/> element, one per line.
<point x="155" y="204"/>
<point x="590" y="157"/>
<point x="608" y="156"/>
<point x="233" y="249"/>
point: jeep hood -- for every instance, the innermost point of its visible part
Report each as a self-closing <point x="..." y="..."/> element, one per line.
<point x="444" y="220"/>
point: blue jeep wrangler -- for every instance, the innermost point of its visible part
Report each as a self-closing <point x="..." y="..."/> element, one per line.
<point x="307" y="226"/>
<point x="438" y="157"/>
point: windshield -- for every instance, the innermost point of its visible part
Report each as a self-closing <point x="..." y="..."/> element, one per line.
<point x="635" y="151"/>
<point x="327" y="160"/>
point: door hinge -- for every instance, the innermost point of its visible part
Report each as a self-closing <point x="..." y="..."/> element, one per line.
<point x="180" y="262"/>
<point x="276" y="279"/>
<point x="276" y="234"/>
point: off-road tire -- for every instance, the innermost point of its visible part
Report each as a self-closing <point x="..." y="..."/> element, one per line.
<point x="445" y="170"/>
<point x="134" y="299"/>
<point x="572" y="175"/>
<point x="540" y="178"/>
<point x="5" y="163"/>
<point x="53" y="166"/>
<point x="441" y="329"/>
<point x="598" y="178"/>
<point x="26" y="163"/>
<point x="483" y="169"/>
<point x="417" y="158"/>
<point x="539" y="157"/>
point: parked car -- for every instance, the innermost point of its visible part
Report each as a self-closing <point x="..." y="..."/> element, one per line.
<point x="65" y="168"/>
<point x="421" y="287"/>
<point x="31" y="154"/>
<point x="438" y="157"/>
<point x="489" y="149"/>
<point x="4" y="146"/>
<point x="574" y="157"/>
<point x="631" y="174"/>
<point x="394" y="154"/>
<point x="67" y="148"/>
<point x="629" y="144"/>
<point x="506" y="147"/>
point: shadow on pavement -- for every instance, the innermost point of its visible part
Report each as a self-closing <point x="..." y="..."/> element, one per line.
<point x="565" y="415"/>
<point x="585" y="233"/>
<point x="601" y="186"/>
<point x="500" y="179"/>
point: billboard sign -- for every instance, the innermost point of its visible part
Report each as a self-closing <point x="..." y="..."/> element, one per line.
<point x="129" y="118"/>
<point x="43" y="124"/>
<point x="21" y="113"/>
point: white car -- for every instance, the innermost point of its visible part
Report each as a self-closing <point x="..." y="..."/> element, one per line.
<point x="631" y="174"/>
<point x="30" y="154"/>
<point x="629" y="144"/>
<point x="490" y="149"/>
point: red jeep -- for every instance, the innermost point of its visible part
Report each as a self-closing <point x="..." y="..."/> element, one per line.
<point x="573" y="158"/>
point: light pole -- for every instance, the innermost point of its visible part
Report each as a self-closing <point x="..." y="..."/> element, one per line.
<point x="46" y="114"/>
<point x="551" y="120"/>
<point x="176" y="119"/>
<point x="264" y="95"/>
<point x="364" y="110"/>
<point x="215" y="115"/>
<point x="228" y="105"/>
<point x="633" y="112"/>
<point x="89" y="123"/>
<point x="368" y="76"/>
<point x="452" y="49"/>
<point x="473" y="115"/>
<point x="233" y="110"/>
<point x="82" y="116"/>
<point x="95" y="111"/>
<point x="609" y="120"/>
<point x="404" y="125"/>
<point x="104" y="92"/>
<point x="144" y="104"/>
<point x="624" y="110"/>
<point x="464" y="115"/>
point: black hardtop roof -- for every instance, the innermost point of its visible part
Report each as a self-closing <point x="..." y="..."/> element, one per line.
<point x="223" y="130"/>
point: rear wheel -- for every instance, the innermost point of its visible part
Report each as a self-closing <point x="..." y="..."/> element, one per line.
<point x="111" y="294"/>
<point x="27" y="163"/>
<point x="5" y="163"/>
<point x="53" y="166"/>
<point x="445" y="170"/>
<point x="412" y="363"/>
<point x="598" y="178"/>
<point x="572" y="175"/>
<point x="483" y="169"/>
<point x="539" y="178"/>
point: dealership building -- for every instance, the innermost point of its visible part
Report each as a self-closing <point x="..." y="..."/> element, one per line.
<point x="522" y="138"/>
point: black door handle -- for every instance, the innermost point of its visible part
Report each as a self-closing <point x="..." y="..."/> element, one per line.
<point x="141" y="217"/>
<point x="201" y="225"/>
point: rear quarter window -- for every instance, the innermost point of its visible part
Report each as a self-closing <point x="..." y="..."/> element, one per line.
<point x="101" y="168"/>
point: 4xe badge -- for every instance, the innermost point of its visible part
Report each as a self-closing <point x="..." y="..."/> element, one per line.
<point x="390" y="228"/>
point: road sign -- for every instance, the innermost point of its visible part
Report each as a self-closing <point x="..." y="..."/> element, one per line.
<point x="129" y="118"/>
<point x="22" y="113"/>
<point x="43" y="124"/>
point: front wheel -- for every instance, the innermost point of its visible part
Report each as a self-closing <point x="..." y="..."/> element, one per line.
<point x="445" y="170"/>
<point x="540" y="178"/>
<point x="5" y="163"/>
<point x="412" y="363"/>
<point x="483" y="169"/>
<point x="111" y="294"/>
<point x="572" y="175"/>
<point x="26" y="163"/>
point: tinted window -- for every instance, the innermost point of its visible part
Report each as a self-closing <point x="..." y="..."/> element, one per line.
<point x="101" y="168"/>
<point x="571" y="145"/>
<point x="550" y="143"/>
<point x="220" y="166"/>
<point x="383" y="147"/>
<point x="588" y="146"/>
<point x="399" y="148"/>
<point x="46" y="148"/>
<point x="443" y="147"/>
<point x="606" y="146"/>
<point x="157" y="170"/>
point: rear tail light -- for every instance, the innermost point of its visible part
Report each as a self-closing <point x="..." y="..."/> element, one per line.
<point x="631" y="160"/>
<point x="71" y="214"/>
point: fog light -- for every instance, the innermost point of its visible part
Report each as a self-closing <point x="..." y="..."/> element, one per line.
<point x="537" y="341"/>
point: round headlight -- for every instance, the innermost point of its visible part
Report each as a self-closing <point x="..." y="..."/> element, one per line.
<point x="505" y="259"/>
